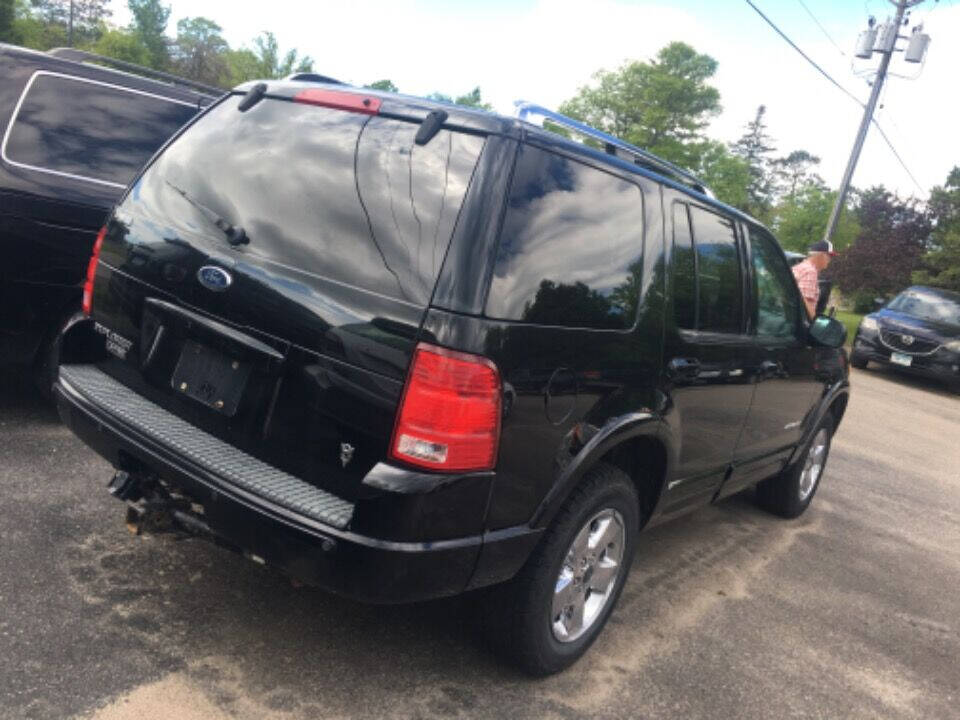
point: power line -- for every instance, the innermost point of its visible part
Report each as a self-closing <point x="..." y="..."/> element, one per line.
<point x="838" y="86"/>
<point x="822" y="28"/>
<point x="806" y="57"/>
<point x="896" y="154"/>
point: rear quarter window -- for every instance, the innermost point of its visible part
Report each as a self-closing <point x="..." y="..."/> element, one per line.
<point x="570" y="248"/>
<point x="91" y="130"/>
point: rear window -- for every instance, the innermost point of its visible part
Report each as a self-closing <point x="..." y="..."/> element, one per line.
<point x="571" y="245"/>
<point x="343" y="195"/>
<point x="91" y="130"/>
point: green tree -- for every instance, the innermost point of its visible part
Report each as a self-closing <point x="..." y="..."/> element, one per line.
<point x="794" y="171"/>
<point x="385" y="85"/>
<point x="7" y="15"/>
<point x="199" y="52"/>
<point x="271" y="64"/>
<point x="801" y="218"/>
<point x="727" y="175"/>
<point x="663" y="105"/>
<point x="472" y="99"/>
<point x="150" y="24"/>
<point x="31" y="29"/>
<point x="754" y="147"/>
<point x="82" y="21"/>
<point x="940" y="265"/>
<point x="123" y="45"/>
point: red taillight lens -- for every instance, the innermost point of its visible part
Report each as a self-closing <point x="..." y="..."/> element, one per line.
<point x="92" y="272"/>
<point x="352" y="102"/>
<point x="449" y="417"/>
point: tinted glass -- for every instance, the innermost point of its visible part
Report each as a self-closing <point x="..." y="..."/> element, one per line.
<point x="93" y="130"/>
<point x="570" y="246"/>
<point x="927" y="306"/>
<point x="775" y="289"/>
<point x="718" y="272"/>
<point x="684" y="270"/>
<point x="334" y="193"/>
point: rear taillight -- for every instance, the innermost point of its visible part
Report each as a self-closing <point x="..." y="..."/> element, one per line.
<point x="339" y="100"/>
<point x="449" y="417"/>
<point x="92" y="272"/>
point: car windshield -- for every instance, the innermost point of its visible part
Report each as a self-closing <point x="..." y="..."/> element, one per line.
<point x="927" y="306"/>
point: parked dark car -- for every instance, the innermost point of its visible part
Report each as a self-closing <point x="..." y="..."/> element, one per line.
<point x="917" y="332"/>
<point x="402" y="350"/>
<point x="74" y="134"/>
<point x="825" y="284"/>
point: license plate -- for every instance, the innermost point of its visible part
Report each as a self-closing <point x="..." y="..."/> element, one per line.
<point x="901" y="359"/>
<point x="210" y="377"/>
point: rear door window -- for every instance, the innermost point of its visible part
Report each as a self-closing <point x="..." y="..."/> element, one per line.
<point x="342" y="195"/>
<point x="718" y="272"/>
<point x="571" y="245"/>
<point x="90" y="130"/>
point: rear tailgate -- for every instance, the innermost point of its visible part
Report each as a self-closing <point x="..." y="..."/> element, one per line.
<point x="294" y="345"/>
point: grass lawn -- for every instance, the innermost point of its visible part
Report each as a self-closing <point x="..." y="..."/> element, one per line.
<point x="851" y="320"/>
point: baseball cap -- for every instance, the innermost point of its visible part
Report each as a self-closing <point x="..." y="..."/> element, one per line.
<point x="823" y="246"/>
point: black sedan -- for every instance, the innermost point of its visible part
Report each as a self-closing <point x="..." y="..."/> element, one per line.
<point x="918" y="331"/>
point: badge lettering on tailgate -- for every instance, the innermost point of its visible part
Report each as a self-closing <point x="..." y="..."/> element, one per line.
<point x="116" y="344"/>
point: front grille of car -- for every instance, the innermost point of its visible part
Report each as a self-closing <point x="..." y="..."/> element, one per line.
<point x="896" y="340"/>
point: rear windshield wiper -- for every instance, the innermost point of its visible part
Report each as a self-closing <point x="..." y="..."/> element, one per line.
<point x="236" y="235"/>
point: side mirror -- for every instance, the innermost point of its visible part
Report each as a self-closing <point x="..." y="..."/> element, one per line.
<point x="828" y="332"/>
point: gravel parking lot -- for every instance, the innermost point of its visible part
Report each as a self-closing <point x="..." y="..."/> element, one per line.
<point x="851" y="611"/>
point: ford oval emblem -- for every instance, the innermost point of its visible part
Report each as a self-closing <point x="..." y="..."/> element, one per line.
<point x="214" y="278"/>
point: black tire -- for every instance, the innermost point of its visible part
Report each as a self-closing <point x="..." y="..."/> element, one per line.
<point x="858" y="361"/>
<point x="518" y="615"/>
<point x="782" y="494"/>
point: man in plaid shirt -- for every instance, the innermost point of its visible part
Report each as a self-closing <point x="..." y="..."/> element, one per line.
<point x="807" y="273"/>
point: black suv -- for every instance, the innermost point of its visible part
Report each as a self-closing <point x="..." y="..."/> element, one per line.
<point x="404" y="350"/>
<point x="74" y="134"/>
<point x="917" y="332"/>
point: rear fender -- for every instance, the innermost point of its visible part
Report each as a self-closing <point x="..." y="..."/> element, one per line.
<point x="616" y="431"/>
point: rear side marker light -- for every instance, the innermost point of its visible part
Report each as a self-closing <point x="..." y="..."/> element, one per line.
<point x="449" y="417"/>
<point x="339" y="100"/>
<point x="92" y="272"/>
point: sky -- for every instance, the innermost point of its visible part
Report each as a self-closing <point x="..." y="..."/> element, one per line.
<point x="544" y="50"/>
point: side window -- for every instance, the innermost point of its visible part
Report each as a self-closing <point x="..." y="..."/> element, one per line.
<point x="92" y="130"/>
<point x="684" y="270"/>
<point x="570" y="248"/>
<point x="718" y="272"/>
<point x="778" y="307"/>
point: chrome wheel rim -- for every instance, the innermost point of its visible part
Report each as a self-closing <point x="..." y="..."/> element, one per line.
<point x="588" y="575"/>
<point x="813" y="465"/>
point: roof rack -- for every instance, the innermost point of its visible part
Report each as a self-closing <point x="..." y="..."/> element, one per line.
<point x="314" y="77"/>
<point x="614" y="145"/>
<point x="83" y="56"/>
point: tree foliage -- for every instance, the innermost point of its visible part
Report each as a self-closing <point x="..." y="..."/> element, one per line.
<point x="199" y="51"/>
<point x="7" y="15"/>
<point x="755" y="147"/>
<point x="940" y="265"/>
<point x="727" y="175"/>
<point x="123" y="45"/>
<point x="893" y="235"/>
<point x="800" y="219"/>
<point x="385" y="85"/>
<point x="150" y="19"/>
<point x="472" y="99"/>
<point x="663" y="105"/>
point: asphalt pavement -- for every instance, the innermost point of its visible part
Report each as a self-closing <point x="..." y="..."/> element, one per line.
<point x="853" y="610"/>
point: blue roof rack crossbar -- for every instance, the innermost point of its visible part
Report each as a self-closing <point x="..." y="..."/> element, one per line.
<point x="613" y="144"/>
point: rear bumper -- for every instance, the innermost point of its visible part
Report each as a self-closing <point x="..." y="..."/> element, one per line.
<point x="315" y="546"/>
<point x="939" y="365"/>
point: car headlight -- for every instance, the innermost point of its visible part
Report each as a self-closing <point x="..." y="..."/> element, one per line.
<point x="869" y="323"/>
<point x="953" y="346"/>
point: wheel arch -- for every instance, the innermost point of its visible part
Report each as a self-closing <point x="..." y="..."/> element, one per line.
<point x="633" y="445"/>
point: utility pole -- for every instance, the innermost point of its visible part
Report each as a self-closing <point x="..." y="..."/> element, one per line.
<point x="885" y="42"/>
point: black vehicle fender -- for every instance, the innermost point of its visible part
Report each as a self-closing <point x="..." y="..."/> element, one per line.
<point x="613" y="433"/>
<point x="839" y="389"/>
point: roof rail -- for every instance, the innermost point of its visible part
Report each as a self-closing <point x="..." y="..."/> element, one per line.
<point x="314" y="77"/>
<point x="83" y="56"/>
<point x="614" y="145"/>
